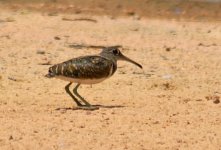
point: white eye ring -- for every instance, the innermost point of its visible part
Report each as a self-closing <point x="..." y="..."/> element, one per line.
<point x="115" y="52"/>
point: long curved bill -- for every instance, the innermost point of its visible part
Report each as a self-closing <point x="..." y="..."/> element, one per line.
<point x="130" y="60"/>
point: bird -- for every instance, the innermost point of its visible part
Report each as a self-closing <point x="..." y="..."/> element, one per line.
<point x="91" y="69"/>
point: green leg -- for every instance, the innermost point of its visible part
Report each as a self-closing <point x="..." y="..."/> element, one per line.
<point x="68" y="91"/>
<point x="79" y="96"/>
<point x="87" y="105"/>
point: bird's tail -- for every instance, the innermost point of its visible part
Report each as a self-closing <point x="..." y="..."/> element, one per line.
<point x="50" y="73"/>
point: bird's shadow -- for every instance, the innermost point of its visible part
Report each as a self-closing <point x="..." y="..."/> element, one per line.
<point x="96" y="106"/>
<point x="109" y="106"/>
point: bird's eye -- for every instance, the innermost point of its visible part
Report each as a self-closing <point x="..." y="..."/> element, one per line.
<point x="50" y="70"/>
<point x="115" y="52"/>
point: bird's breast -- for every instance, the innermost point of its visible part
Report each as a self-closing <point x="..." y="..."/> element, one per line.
<point x="81" y="81"/>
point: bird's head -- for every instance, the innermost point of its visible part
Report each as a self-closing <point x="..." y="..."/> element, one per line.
<point x="115" y="53"/>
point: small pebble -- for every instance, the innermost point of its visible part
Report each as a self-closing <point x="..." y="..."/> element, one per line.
<point x="130" y="13"/>
<point x="11" y="137"/>
<point x="57" y="38"/>
<point x="216" y="101"/>
<point x="40" y="52"/>
<point x="167" y="76"/>
<point x="168" y="49"/>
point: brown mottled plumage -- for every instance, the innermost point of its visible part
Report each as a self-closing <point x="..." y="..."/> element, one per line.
<point x="88" y="70"/>
<point x="88" y="67"/>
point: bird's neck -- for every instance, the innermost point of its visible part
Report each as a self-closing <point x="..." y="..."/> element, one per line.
<point x="112" y="59"/>
<point x="109" y="57"/>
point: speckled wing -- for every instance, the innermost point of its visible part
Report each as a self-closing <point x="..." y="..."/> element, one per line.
<point x="87" y="67"/>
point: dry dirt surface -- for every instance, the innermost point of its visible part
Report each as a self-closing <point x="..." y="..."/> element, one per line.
<point x="173" y="103"/>
<point x="170" y="9"/>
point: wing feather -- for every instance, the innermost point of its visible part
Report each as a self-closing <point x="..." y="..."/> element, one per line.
<point x="88" y="67"/>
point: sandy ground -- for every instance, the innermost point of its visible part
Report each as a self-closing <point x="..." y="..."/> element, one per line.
<point x="173" y="103"/>
<point x="202" y="10"/>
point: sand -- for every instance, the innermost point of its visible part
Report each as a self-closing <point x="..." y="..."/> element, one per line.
<point x="173" y="103"/>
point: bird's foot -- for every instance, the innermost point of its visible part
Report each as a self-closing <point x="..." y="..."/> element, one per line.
<point x="87" y="107"/>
